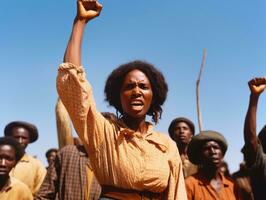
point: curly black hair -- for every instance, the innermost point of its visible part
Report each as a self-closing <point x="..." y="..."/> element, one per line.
<point x="159" y="86"/>
<point x="12" y="142"/>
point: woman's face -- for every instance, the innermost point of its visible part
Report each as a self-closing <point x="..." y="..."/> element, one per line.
<point x="136" y="94"/>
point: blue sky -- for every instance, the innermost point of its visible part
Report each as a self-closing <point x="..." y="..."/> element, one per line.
<point x="170" y="34"/>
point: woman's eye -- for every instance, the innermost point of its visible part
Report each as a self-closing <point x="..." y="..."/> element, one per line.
<point x="144" y="86"/>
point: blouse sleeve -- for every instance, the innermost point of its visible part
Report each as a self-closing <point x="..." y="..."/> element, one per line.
<point x="176" y="184"/>
<point x="76" y="94"/>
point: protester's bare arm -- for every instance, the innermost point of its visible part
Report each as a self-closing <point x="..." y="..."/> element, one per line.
<point x="256" y="86"/>
<point x="86" y="10"/>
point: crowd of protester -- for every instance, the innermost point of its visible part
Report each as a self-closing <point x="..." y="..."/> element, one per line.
<point x="120" y="156"/>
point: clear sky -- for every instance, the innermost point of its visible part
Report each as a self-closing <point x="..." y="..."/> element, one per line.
<point x="170" y="34"/>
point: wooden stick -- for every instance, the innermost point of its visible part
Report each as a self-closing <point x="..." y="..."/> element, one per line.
<point x="198" y="89"/>
<point x="63" y="123"/>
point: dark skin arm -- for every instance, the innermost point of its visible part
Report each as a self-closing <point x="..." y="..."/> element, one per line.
<point x="86" y="11"/>
<point x="256" y="86"/>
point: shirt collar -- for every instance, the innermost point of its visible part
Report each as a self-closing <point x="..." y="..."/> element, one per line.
<point x="151" y="136"/>
<point x="25" y="158"/>
<point x="204" y="181"/>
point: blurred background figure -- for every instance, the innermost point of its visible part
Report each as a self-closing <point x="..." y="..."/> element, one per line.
<point x="225" y="169"/>
<point x="181" y="131"/>
<point x="207" y="150"/>
<point x="50" y="156"/>
<point x="242" y="179"/>
<point x="70" y="177"/>
<point x="29" y="170"/>
<point x="11" y="188"/>
<point x="253" y="150"/>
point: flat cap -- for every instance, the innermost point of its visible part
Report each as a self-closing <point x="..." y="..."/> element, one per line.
<point x="197" y="142"/>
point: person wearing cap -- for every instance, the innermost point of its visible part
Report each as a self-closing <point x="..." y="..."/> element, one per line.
<point x="254" y="149"/>
<point x="29" y="169"/>
<point x="181" y="131"/>
<point x="11" y="188"/>
<point x="207" y="150"/>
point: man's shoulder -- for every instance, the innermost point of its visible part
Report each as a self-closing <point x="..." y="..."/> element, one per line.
<point x="32" y="158"/>
<point x="72" y="152"/>
<point x="34" y="161"/>
<point x="193" y="178"/>
<point x="254" y="158"/>
<point x="19" y="185"/>
<point x="72" y="149"/>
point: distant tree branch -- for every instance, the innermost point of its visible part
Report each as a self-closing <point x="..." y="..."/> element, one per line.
<point x="198" y="89"/>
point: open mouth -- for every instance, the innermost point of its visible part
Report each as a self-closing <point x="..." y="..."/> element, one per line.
<point x="136" y="103"/>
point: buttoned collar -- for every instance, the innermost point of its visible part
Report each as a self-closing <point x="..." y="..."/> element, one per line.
<point x="151" y="136"/>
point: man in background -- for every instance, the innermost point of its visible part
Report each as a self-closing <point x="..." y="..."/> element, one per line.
<point x="254" y="149"/>
<point x="50" y="156"/>
<point x="207" y="150"/>
<point x="29" y="170"/>
<point x="11" y="188"/>
<point x="181" y="131"/>
<point x="70" y="177"/>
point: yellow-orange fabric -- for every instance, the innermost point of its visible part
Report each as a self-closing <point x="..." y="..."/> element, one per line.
<point x="90" y="175"/>
<point x="30" y="171"/>
<point x="16" y="190"/>
<point x="119" y="156"/>
<point x="199" y="188"/>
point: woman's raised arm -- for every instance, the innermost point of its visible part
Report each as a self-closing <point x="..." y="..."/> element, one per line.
<point x="86" y="10"/>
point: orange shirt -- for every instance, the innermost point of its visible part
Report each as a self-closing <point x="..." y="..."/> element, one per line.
<point x="199" y="188"/>
<point x="119" y="156"/>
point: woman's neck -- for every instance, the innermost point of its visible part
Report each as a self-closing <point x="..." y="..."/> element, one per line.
<point x="136" y="124"/>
